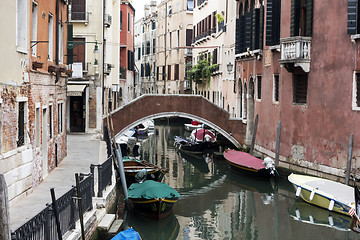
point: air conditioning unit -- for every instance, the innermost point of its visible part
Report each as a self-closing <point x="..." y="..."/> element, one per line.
<point x="107" y="20"/>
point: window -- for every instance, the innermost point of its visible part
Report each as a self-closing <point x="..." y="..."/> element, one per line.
<point x="60" y="117"/>
<point x="249" y="30"/>
<point x="21" y="25"/>
<point x="273" y="15"/>
<point x="34" y="13"/>
<point x="190" y="5"/>
<point x="170" y="39"/>
<point x="37" y="126"/>
<point x="21" y="124"/>
<point x="178" y="6"/>
<point x="353" y="17"/>
<point x="259" y="87"/>
<point x="169" y="10"/>
<point x="301" y="18"/>
<point x="300" y="82"/>
<point x="61" y="40"/>
<point x="356" y="92"/>
<point x="50" y="121"/>
<point x="189" y="33"/>
<point x="128" y="22"/>
<point x="121" y="20"/>
<point x="78" y="10"/>
<point x="50" y="37"/>
<point x="276" y="88"/>
<point x="164" y="73"/>
<point x="176" y="77"/>
<point x="169" y="72"/>
<point x="178" y="38"/>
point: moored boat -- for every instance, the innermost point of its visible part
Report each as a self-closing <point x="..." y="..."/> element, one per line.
<point x="245" y="163"/>
<point x="187" y="145"/>
<point x="152" y="199"/>
<point x="132" y="166"/>
<point x="324" y="193"/>
<point x="193" y="125"/>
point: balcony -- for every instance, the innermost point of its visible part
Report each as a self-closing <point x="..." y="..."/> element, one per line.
<point x="188" y="52"/>
<point x="107" y="20"/>
<point x="295" y="52"/>
<point x="82" y="17"/>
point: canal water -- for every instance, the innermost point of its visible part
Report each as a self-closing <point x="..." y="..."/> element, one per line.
<point x="216" y="203"/>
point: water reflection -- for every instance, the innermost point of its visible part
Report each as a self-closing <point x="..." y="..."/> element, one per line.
<point x="216" y="203"/>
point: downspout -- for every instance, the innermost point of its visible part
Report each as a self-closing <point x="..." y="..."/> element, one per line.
<point x="57" y="41"/>
<point x="103" y="59"/>
<point x="164" y="74"/>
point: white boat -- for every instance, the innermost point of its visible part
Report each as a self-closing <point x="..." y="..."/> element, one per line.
<point x="144" y="127"/>
<point x="324" y="193"/>
<point x="192" y="126"/>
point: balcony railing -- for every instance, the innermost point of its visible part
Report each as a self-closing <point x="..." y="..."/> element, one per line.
<point x="296" y="51"/>
<point x="188" y="51"/>
<point x="79" y="17"/>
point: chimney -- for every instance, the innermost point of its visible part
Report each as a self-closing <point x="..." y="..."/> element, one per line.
<point x="153" y="6"/>
<point x="146" y="10"/>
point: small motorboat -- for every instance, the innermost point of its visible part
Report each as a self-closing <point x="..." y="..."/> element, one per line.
<point x="132" y="166"/>
<point x="152" y="199"/>
<point x="243" y="162"/>
<point x="192" y="126"/>
<point x="324" y="193"/>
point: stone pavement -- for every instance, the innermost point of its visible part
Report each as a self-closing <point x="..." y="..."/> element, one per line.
<point x="82" y="150"/>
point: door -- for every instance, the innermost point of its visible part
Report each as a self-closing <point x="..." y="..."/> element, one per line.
<point x="77" y="112"/>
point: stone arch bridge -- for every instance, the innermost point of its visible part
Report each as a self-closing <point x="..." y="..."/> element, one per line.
<point x="187" y="106"/>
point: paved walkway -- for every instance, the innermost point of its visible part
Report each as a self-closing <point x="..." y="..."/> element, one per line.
<point x="83" y="150"/>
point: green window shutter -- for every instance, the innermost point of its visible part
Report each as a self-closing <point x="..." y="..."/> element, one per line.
<point x="352" y="16"/>
<point x="248" y="28"/>
<point x="269" y="16"/>
<point x="295" y="18"/>
<point x="309" y="18"/>
<point x="242" y="34"/>
<point x="70" y="52"/>
<point x="261" y="27"/>
<point x="237" y="37"/>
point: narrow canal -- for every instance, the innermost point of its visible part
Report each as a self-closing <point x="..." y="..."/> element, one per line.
<point x="218" y="204"/>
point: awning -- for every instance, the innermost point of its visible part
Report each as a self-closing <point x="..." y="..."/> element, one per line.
<point x="75" y="90"/>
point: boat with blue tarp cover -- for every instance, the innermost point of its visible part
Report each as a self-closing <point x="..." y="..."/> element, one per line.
<point x="152" y="199"/>
<point x="128" y="234"/>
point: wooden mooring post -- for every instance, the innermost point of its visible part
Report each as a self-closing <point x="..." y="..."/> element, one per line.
<point x="4" y="210"/>
<point x="277" y="147"/>
<point x="348" y="167"/>
<point x="254" y="134"/>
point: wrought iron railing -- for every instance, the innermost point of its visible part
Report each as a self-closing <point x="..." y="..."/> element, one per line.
<point x="104" y="174"/>
<point x="43" y="225"/>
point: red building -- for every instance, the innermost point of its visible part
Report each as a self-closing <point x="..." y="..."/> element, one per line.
<point x="297" y="65"/>
<point x="127" y="61"/>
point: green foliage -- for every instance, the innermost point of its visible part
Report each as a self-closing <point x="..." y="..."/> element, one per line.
<point x="202" y="71"/>
<point x="219" y="18"/>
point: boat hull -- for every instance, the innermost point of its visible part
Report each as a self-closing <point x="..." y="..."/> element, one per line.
<point x="261" y="173"/>
<point x="321" y="198"/>
<point x="154" y="208"/>
<point x="132" y="167"/>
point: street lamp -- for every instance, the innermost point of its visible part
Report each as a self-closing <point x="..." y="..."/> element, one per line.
<point x="229" y="67"/>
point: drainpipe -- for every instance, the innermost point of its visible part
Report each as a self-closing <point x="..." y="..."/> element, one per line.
<point x="103" y="59"/>
<point x="164" y="74"/>
<point x="57" y="41"/>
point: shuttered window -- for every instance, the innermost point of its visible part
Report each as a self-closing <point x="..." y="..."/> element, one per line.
<point x="189" y="33"/>
<point x="300" y="83"/>
<point x="273" y="15"/>
<point x="215" y="57"/>
<point x="176" y="77"/>
<point x="276" y="88"/>
<point x="169" y="72"/>
<point x="358" y="89"/>
<point x="353" y="26"/>
<point x="78" y="10"/>
<point x="301" y="18"/>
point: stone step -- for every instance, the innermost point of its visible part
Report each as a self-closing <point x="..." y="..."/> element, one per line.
<point x="106" y="222"/>
<point x="115" y="227"/>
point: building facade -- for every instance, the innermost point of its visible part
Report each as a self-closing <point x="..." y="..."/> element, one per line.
<point x="174" y="32"/>
<point x="33" y="92"/>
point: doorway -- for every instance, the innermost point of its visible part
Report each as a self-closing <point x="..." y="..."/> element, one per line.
<point x="77" y="114"/>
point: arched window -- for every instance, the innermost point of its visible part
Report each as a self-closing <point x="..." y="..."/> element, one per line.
<point x="252" y="88"/>
<point x="252" y="5"/>
<point x="246" y="6"/>
<point x="245" y="101"/>
<point x="241" y="9"/>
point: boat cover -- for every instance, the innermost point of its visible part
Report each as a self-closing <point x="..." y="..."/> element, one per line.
<point x="199" y="134"/>
<point x="243" y="159"/>
<point x="151" y="189"/>
<point x="128" y="234"/>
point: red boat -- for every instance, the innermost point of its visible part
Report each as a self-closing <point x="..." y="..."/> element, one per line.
<point x="243" y="162"/>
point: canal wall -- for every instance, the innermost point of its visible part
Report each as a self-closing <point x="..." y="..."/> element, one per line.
<point x="101" y="206"/>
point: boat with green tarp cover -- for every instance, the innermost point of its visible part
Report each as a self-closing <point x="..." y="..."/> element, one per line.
<point x="152" y="199"/>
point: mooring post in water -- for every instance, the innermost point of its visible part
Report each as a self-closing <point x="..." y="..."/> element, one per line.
<point x="56" y="214"/>
<point x="4" y="210"/>
<point x="122" y="173"/>
<point x="277" y="147"/>
<point x="348" y="167"/>
<point x="254" y="134"/>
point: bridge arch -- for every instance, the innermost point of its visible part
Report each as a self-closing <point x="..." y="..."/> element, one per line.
<point x="197" y="107"/>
